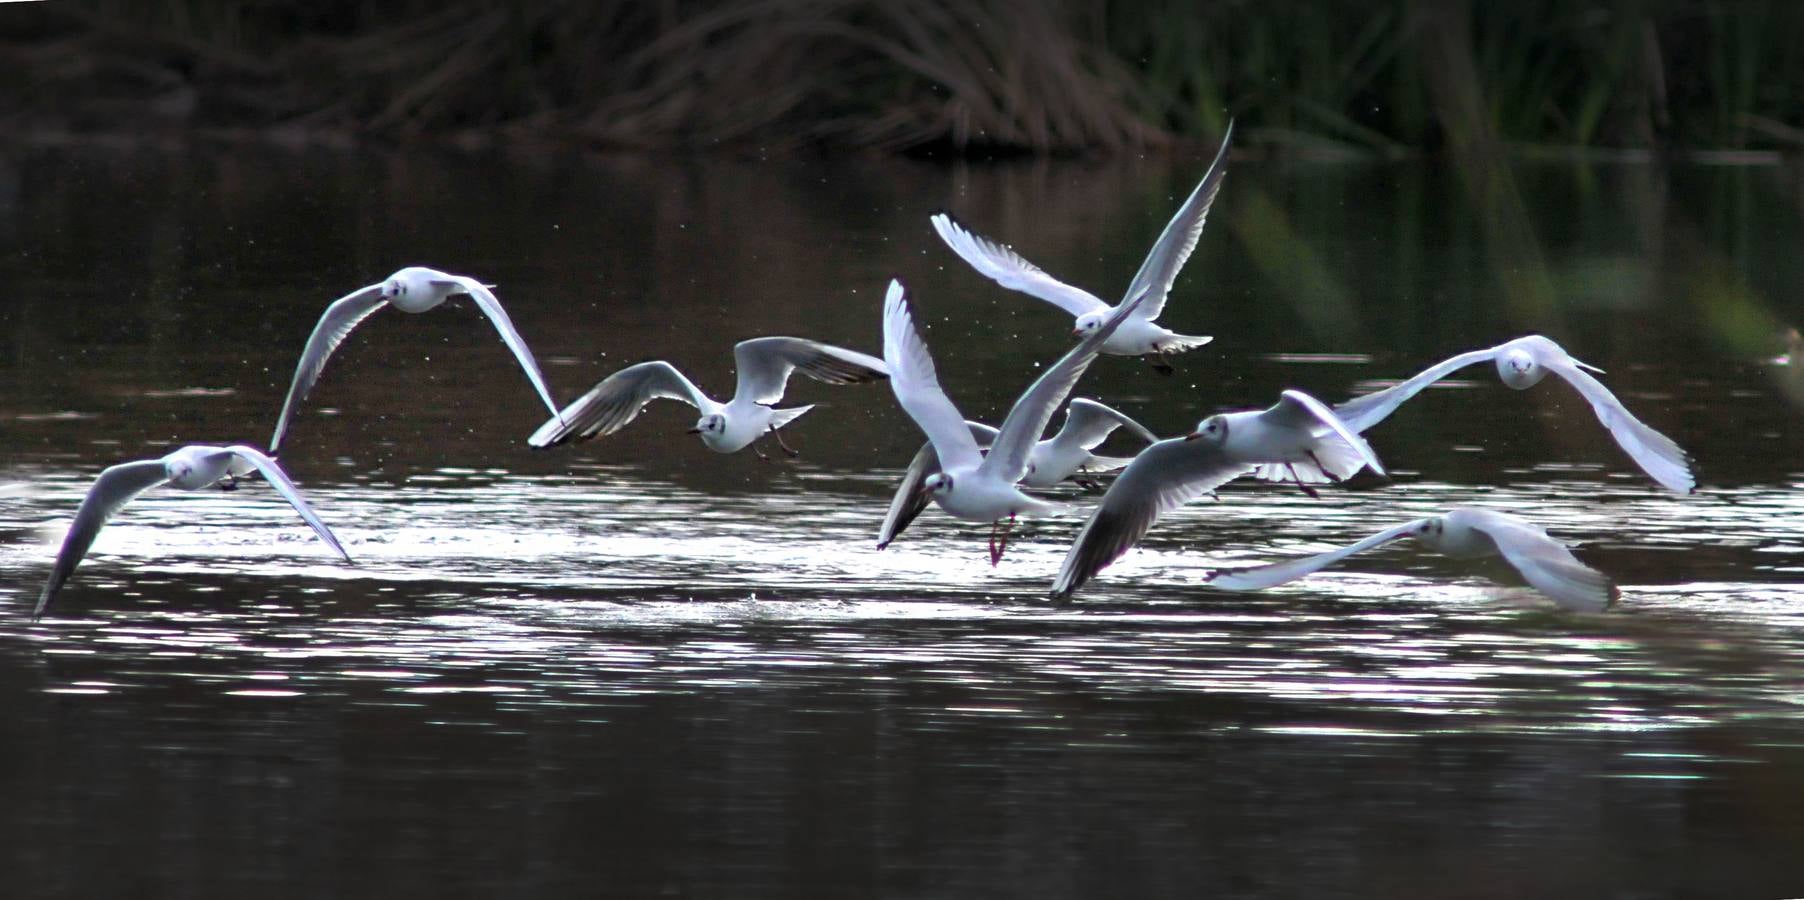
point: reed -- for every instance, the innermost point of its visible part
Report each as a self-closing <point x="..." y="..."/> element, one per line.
<point x="1361" y="77"/>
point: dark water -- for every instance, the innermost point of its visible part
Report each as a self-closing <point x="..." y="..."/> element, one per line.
<point x="639" y="668"/>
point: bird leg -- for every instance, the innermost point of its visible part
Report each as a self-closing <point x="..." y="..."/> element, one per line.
<point x="786" y="448"/>
<point x="1157" y="361"/>
<point x="760" y="452"/>
<point x="1324" y="469"/>
<point x="1088" y="485"/>
<point x="1311" y="492"/>
<point x="999" y="541"/>
<point x="229" y="483"/>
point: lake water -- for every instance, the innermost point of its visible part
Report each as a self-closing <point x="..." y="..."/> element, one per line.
<point x="634" y="667"/>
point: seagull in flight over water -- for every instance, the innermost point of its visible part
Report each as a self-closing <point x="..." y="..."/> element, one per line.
<point x="1522" y="363"/>
<point x="972" y="485"/>
<point x="191" y="468"/>
<point x="1465" y="532"/>
<point x="1299" y="435"/>
<point x="1139" y="335"/>
<point x="414" y="289"/>
<point x="1065" y="455"/>
<point x="765" y="365"/>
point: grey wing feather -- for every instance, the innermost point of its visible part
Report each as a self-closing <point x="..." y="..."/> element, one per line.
<point x="1006" y="267"/>
<point x="1163" y="477"/>
<point x="491" y="307"/>
<point x="1027" y="419"/>
<point x="1542" y="561"/>
<point x="115" y="487"/>
<point x="908" y="503"/>
<point x="1657" y="455"/>
<point x="1179" y="238"/>
<point x="1089" y="423"/>
<point x="279" y="480"/>
<point x="1361" y="413"/>
<point x="765" y="365"/>
<point x="1254" y="578"/>
<point x="1297" y="407"/>
<point x="338" y="320"/>
<point x="617" y="400"/>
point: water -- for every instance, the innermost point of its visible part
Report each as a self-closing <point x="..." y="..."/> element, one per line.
<point x="635" y="667"/>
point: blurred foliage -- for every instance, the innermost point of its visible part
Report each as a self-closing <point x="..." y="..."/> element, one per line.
<point x="1372" y="76"/>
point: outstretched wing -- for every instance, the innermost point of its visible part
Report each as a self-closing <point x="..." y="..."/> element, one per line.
<point x="1253" y="578"/>
<point x="338" y="320"/>
<point x="1301" y="410"/>
<point x="1175" y="244"/>
<point x="279" y="480"/>
<point x="1163" y="477"/>
<point x="1361" y="413"/>
<point x="1027" y="419"/>
<point x="115" y="487"/>
<point x="1089" y="423"/>
<point x="1656" y="454"/>
<point x="1007" y="268"/>
<point x="617" y="400"/>
<point x="909" y="501"/>
<point x="765" y="364"/>
<point x="1544" y="562"/>
<point x="917" y="387"/>
<point x="491" y="307"/>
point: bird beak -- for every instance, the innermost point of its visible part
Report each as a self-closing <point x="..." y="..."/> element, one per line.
<point x="1193" y="435"/>
<point x="695" y="431"/>
<point x="1077" y="332"/>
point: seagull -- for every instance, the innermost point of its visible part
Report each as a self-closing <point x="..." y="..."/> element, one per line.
<point x="1522" y="363"/>
<point x="1138" y="336"/>
<point x="973" y="485"/>
<point x="1299" y="432"/>
<point x="1465" y="532"/>
<point x="414" y="289"/>
<point x="1064" y="455"/>
<point x="765" y="365"/>
<point x="190" y="469"/>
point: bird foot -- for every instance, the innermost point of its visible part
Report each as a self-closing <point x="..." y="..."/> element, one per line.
<point x="1160" y="366"/>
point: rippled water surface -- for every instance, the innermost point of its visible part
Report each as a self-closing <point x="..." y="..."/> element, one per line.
<point x="636" y="667"/>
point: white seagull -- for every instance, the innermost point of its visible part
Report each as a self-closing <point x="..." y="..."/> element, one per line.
<point x="1065" y="455"/>
<point x="765" y="365"/>
<point x="190" y="469"/>
<point x="1299" y="433"/>
<point x="972" y="485"/>
<point x="414" y="289"/>
<point x="1522" y="363"/>
<point x="1465" y="532"/>
<point x="1139" y="335"/>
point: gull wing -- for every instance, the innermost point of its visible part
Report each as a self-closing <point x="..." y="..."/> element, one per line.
<point x="1656" y="454"/>
<point x="1299" y="409"/>
<point x="338" y="320"/>
<point x="1089" y="423"/>
<point x="1544" y="562"/>
<point x="1007" y="268"/>
<point x="279" y="480"/>
<point x="766" y="363"/>
<point x="1253" y="578"/>
<point x="1361" y="413"/>
<point x="909" y="501"/>
<point x="491" y="307"/>
<point x="1027" y="419"/>
<point x="1163" y="477"/>
<point x="1179" y="238"/>
<point x="115" y="487"/>
<point x="917" y="387"/>
<point x="617" y="400"/>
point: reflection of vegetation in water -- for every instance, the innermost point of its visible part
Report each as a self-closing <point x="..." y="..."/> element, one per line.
<point x="1343" y="77"/>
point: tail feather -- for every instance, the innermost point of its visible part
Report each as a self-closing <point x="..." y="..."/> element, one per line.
<point x="782" y="417"/>
<point x="1179" y="343"/>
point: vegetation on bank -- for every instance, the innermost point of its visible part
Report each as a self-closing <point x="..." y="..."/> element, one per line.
<point x="1366" y="76"/>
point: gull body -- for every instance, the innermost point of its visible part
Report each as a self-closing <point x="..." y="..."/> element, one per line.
<point x="1139" y="334"/>
<point x="1466" y="532"/>
<point x="191" y="468"/>
<point x="414" y="289"/>
<point x="973" y="485"/>
<point x="764" y="367"/>
<point x="1299" y="434"/>
<point x="1063" y="456"/>
<point x="1522" y="364"/>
